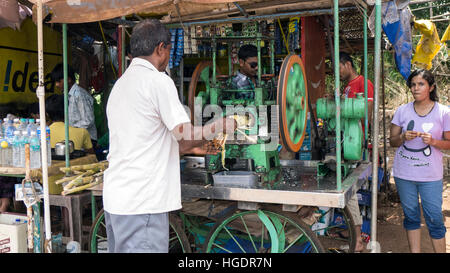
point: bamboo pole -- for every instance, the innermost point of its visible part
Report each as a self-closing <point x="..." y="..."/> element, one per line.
<point x="40" y="92"/>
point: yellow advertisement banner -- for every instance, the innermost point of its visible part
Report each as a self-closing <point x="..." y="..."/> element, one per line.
<point x="19" y="63"/>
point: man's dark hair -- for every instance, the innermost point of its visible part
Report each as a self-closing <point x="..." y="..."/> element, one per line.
<point x="58" y="72"/>
<point x="54" y="106"/>
<point x="247" y="51"/>
<point x="33" y="108"/>
<point x="345" y="57"/>
<point x="146" y="36"/>
<point x="429" y="77"/>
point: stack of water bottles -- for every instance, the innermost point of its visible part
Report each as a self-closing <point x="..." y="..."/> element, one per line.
<point x="14" y="134"/>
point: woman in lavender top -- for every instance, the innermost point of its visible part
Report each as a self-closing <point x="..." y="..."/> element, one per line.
<point x="421" y="130"/>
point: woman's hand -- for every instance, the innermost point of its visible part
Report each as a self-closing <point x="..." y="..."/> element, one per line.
<point x="427" y="139"/>
<point x="410" y="135"/>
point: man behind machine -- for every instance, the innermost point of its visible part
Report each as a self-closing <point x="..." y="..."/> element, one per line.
<point x="355" y="84"/>
<point x="245" y="77"/>
<point x="146" y="121"/>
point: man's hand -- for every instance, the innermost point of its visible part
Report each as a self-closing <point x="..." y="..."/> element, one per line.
<point x="207" y="149"/>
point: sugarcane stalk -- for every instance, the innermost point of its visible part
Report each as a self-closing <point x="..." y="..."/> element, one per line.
<point x="99" y="166"/>
<point x="77" y="189"/>
<point x="78" y="182"/>
<point x="66" y="179"/>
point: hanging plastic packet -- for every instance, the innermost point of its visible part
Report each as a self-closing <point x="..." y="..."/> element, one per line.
<point x="28" y="193"/>
<point x="429" y="44"/>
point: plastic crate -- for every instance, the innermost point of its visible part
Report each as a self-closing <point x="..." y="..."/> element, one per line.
<point x="380" y="177"/>
<point x="364" y="197"/>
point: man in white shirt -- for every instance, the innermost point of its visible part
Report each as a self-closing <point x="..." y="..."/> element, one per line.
<point x="146" y="120"/>
<point x="81" y="103"/>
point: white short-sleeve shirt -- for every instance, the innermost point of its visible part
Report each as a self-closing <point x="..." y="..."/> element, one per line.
<point x="144" y="170"/>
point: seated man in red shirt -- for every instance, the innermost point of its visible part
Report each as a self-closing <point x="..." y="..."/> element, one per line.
<point x="355" y="84"/>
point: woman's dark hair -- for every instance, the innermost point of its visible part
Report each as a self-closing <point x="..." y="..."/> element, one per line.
<point x="58" y="72"/>
<point x="54" y="106"/>
<point x="247" y="51"/>
<point x="146" y="36"/>
<point x="429" y="77"/>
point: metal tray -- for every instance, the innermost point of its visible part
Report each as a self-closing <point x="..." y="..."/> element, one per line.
<point x="236" y="179"/>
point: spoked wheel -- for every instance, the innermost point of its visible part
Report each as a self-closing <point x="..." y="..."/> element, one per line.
<point x="198" y="92"/>
<point x="261" y="231"/>
<point x="292" y="100"/>
<point x="340" y="233"/>
<point x="98" y="242"/>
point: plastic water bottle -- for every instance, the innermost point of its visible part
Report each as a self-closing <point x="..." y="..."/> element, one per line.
<point x="23" y="124"/>
<point x="35" y="151"/>
<point x="49" y="150"/>
<point x="16" y="148"/>
<point x="5" y="124"/>
<point x="7" y="144"/>
<point x="31" y="126"/>
<point x="16" y="123"/>
<point x="23" y="140"/>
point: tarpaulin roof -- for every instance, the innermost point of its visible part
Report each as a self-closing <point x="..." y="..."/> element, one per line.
<point x="81" y="11"/>
<point x="12" y="14"/>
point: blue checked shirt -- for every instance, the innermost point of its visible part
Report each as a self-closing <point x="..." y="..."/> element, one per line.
<point x="81" y="110"/>
<point x="240" y="81"/>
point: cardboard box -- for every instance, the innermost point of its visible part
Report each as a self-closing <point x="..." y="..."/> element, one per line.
<point x="320" y="226"/>
<point x="13" y="233"/>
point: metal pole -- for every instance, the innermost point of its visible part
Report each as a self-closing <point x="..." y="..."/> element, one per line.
<point x="66" y="96"/>
<point x="123" y="38"/>
<point x="373" y="241"/>
<point x="386" y="186"/>
<point x="214" y="72"/>
<point x="251" y="18"/>
<point x="40" y="92"/>
<point x="259" y="59"/>
<point x="366" y="118"/>
<point x="337" y="96"/>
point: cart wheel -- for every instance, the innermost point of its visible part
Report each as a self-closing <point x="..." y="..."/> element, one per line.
<point x="97" y="234"/>
<point x="341" y="233"/>
<point x="178" y="242"/>
<point x="261" y="231"/>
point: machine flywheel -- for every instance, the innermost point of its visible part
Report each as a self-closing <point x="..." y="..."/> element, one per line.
<point x="292" y="100"/>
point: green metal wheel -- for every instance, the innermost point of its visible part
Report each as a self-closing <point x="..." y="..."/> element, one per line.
<point x="98" y="242"/>
<point x="261" y="231"/>
<point x="341" y="233"/>
<point x="293" y="102"/>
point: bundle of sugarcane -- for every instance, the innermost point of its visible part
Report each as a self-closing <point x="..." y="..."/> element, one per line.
<point x="83" y="177"/>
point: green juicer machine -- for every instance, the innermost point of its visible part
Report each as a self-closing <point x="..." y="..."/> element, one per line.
<point x="277" y="110"/>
